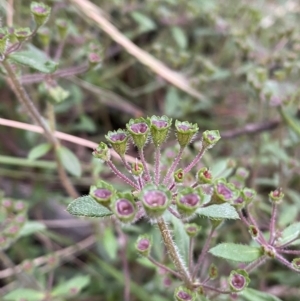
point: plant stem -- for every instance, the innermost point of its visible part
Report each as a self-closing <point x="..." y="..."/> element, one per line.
<point x="36" y="116"/>
<point x="157" y="165"/>
<point x="191" y="250"/>
<point x="295" y="252"/>
<point x="173" y="166"/>
<point x="27" y="103"/>
<point x="256" y="263"/>
<point x="195" y="161"/>
<point x="160" y="265"/>
<point x="173" y="253"/>
<point x="272" y="223"/>
<point x="121" y="176"/>
<point x="203" y="252"/>
<point x="141" y="153"/>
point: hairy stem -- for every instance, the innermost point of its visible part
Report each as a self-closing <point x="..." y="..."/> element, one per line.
<point x="195" y="161"/>
<point x="173" y="252"/>
<point x="173" y="166"/>
<point x="255" y="264"/>
<point x="203" y="252"/>
<point x="121" y="176"/>
<point x="141" y="153"/>
<point x="272" y="223"/>
<point x="157" y="165"/>
<point x="160" y="265"/>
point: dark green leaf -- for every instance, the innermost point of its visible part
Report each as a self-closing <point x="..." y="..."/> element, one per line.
<point x="77" y="283"/>
<point x="39" y="151"/>
<point x="69" y="161"/>
<point x="290" y="233"/>
<point x="223" y="211"/>
<point x="87" y="206"/>
<point x="236" y="252"/>
<point x="250" y="294"/>
<point x="35" y="59"/>
<point x="24" y="294"/>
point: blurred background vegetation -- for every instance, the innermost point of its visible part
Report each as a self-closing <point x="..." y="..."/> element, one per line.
<point x="227" y="65"/>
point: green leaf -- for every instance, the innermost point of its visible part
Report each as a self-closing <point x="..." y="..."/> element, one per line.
<point x="31" y="227"/>
<point x="290" y="233"/>
<point x="223" y="211"/>
<point x="250" y="294"/>
<point x="110" y="243"/>
<point x="39" y="151"/>
<point x="179" y="37"/>
<point x="69" y="161"/>
<point x="180" y="237"/>
<point x="24" y="294"/>
<point x="76" y="283"/>
<point x="87" y="206"/>
<point x="35" y="59"/>
<point x="145" y="23"/>
<point x="236" y="252"/>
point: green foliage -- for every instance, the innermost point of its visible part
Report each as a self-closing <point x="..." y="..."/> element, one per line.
<point x="236" y="252"/>
<point x="69" y="161"/>
<point x="223" y="211"/>
<point x="39" y="151"/>
<point x="87" y="206"/>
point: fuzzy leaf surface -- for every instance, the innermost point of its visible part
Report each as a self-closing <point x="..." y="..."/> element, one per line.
<point x="236" y="252"/>
<point x="223" y="211"/>
<point x="290" y="233"/>
<point x="87" y="206"/>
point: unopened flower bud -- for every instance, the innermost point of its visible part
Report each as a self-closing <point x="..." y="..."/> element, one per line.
<point x="7" y="204"/>
<point x="22" y="33"/>
<point x="185" y="132"/>
<point x="159" y="128"/>
<point x="238" y="280"/>
<point x="296" y="263"/>
<point x="139" y="131"/>
<point x="94" y="59"/>
<point x="204" y="176"/>
<point x="188" y="201"/>
<point x="210" y="138"/>
<point x="269" y="251"/>
<point x="143" y="245"/>
<point x="62" y="27"/>
<point x="276" y="195"/>
<point x="40" y="13"/>
<point x="254" y="232"/>
<point x="242" y="173"/>
<point x="155" y="200"/>
<point x="213" y="271"/>
<point x="102" y="152"/>
<point x="12" y="231"/>
<point x="178" y="176"/>
<point x="137" y="169"/>
<point x="184" y="294"/>
<point x="44" y="35"/>
<point x="118" y="140"/>
<point x="124" y="208"/>
<point x="192" y="230"/>
<point x="20" y="207"/>
<point x="102" y="193"/>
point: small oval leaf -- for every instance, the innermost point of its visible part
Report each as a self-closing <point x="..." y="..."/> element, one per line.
<point x="69" y="161"/>
<point x="87" y="206"/>
<point x="29" y="59"/>
<point x="236" y="252"/>
<point x="24" y="294"/>
<point x="39" y="151"/>
<point x="251" y="294"/>
<point x="290" y="233"/>
<point x="223" y="211"/>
